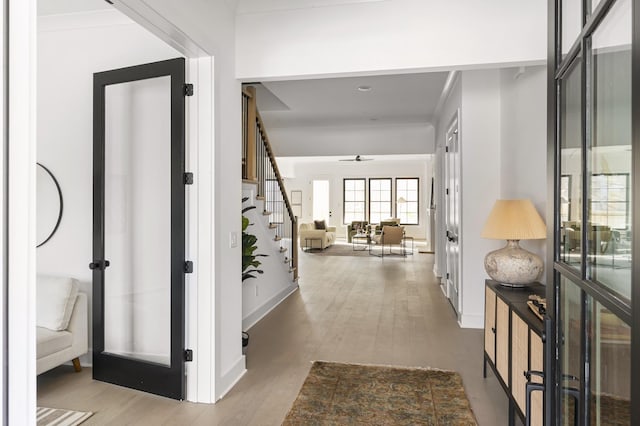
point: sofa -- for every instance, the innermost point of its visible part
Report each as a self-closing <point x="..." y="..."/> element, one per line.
<point x="62" y="319"/>
<point x="312" y="238"/>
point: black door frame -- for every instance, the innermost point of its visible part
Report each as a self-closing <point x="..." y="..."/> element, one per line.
<point x="146" y="376"/>
<point x="557" y="67"/>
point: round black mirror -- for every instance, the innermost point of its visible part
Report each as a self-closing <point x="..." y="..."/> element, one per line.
<point x="48" y="204"/>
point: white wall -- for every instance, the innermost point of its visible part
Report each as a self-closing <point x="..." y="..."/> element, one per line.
<point x="480" y="182"/>
<point x="334" y="171"/>
<point x="523" y="141"/>
<point x="352" y="140"/>
<point x="69" y="52"/>
<point x="385" y="36"/>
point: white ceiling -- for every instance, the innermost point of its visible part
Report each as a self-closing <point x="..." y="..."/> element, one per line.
<point x="393" y="100"/>
<point x="260" y="6"/>
<point x="54" y="7"/>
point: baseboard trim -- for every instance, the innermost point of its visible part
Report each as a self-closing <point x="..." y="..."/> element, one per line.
<point x="232" y="376"/>
<point x="254" y="317"/>
<point x="471" y="321"/>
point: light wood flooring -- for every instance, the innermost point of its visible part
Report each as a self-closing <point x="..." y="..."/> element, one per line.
<point x="387" y="311"/>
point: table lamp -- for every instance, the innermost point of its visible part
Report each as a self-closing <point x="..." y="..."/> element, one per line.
<point x="514" y="220"/>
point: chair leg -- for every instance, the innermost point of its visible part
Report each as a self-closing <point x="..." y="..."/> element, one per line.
<point x="76" y="365"/>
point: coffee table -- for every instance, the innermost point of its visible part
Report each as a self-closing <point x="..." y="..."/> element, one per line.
<point x="360" y="240"/>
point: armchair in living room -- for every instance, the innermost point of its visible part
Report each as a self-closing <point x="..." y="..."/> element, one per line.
<point x="357" y="226"/>
<point x="390" y="236"/>
<point x="386" y="222"/>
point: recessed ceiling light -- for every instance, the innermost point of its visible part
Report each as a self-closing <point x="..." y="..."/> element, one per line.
<point x="364" y="88"/>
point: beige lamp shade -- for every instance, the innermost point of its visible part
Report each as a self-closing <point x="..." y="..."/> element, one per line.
<point x="514" y="220"/>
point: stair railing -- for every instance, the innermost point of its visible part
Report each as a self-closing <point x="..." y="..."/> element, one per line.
<point x="259" y="166"/>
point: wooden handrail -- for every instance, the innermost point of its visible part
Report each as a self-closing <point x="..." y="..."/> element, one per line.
<point x="256" y="146"/>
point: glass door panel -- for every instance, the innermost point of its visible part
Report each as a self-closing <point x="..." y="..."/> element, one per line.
<point x="571" y="23"/>
<point x="609" y="160"/>
<point x="610" y="365"/>
<point x="570" y="350"/>
<point x="137" y="299"/>
<point x="571" y="165"/>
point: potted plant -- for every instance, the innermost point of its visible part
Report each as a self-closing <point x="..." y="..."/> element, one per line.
<point x="249" y="258"/>
<point x="250" y="263"/>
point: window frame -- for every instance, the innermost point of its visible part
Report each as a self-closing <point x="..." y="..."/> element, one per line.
<point x="344" y="199"/>
<point x="390" y="196"/>
<point x="417" y="202"/>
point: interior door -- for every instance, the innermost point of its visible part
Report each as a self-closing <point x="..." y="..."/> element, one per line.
<point x="139" y="227"/>
<point x="452" y="217"/>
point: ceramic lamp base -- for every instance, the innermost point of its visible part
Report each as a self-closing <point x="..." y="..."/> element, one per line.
<point x="513" y="266"/>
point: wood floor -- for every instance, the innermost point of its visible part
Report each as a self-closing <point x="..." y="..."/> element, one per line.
<point x="349" y="309"/>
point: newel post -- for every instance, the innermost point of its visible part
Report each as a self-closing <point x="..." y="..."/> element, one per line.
<point x="251" y="134"/>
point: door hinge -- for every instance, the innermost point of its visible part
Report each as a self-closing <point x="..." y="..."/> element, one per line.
<point x="188" y="267"/>
<point x="447" y="191"/>
<point x="188" y="89"/>
<point x="188" y="355"/>
<point x="447" y="275"/>
<point x="446" y="149"/>
<point x="188" y="178"/>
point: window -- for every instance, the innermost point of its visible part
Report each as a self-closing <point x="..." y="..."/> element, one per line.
<point x="379" y="199"/>
<point x="354" y="200"/>
<point x="610" y="200"/>
<point x="407" y="196"/>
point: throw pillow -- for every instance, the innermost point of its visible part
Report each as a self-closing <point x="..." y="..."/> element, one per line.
<point x="55" y="298"/>
<point x="320" y="224"/>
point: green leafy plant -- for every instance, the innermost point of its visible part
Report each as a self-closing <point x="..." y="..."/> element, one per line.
<point x="250" y="263"/>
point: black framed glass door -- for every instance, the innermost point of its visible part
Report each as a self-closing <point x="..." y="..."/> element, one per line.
<point x="139" y="227"/>
<point x="593" y="139"/>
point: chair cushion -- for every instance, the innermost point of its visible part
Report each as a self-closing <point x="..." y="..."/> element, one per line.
<point x="49" y="342"/>
<point x="320" y="224"/>
<point x="55" y="297"/>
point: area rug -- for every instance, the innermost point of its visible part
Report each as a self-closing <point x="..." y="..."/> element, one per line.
<point x="344" y="394"/>
<point x="58" y="417"/>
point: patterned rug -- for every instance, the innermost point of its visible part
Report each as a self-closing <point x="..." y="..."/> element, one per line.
<point x="343" y="394"/>
<point x="58" y="417"/>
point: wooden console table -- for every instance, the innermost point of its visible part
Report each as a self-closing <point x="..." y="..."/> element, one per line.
<point x="514" y="345"/>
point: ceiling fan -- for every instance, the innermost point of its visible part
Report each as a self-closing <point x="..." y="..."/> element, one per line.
<point x="357" y="158"/>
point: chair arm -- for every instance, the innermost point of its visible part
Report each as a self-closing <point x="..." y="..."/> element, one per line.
<point x="331" y="229"/>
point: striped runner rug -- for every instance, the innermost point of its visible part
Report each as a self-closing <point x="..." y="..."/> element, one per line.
<point x="58" y="417"/>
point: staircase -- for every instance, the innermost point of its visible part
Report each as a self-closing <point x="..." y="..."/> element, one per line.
<point x="260" y="171"/>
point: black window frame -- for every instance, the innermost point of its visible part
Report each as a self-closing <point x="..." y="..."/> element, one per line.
<point x="592" y="292"/>
<point x="417" y="202"/>
<point x="344" y="199"/>
<point x="390" y="196"/>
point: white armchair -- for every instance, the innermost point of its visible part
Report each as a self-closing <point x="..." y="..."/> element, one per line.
<point x="62" y="332"/>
